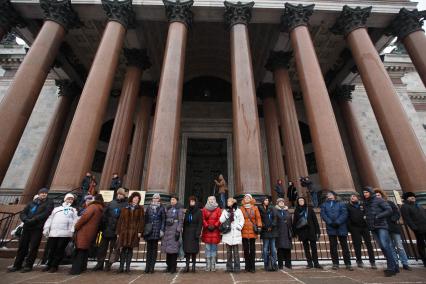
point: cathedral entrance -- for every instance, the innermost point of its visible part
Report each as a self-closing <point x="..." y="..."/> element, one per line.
<point x="205" y="160"/>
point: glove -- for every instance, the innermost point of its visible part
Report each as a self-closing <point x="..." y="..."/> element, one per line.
<point x="177" y="236"/>
<point x="161" y="234"/>
<point x="210" y="228"/>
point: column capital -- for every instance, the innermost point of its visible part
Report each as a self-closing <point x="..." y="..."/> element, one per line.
<point x="406" y="22"/>
<point x="61" y="12"/>
<point x="120" y="11"/>
<point x="67" y="88"/>
<point x="266" y="90"/>
<point x="177" y="11"/>
<point x="351" y="19"/>
<point x="343" y="92"/>
<point x="9" y="17"/>
<point x="296" y="15"/>
<point x="237" y="13"/>
<point x="137" y="57"/>
<point x="278" y="59"/>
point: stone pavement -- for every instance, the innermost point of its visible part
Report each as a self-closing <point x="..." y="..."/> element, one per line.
<point x="298" y="275"/>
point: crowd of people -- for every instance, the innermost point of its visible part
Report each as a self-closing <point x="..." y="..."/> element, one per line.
<point x="117" y="227"/>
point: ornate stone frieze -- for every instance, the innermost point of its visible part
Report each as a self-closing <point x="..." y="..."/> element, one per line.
<point x="406" y="22"/>
<point x="237" y="13"/>
<point x="137" y="57"/>
<point x="296" y="15"/>
<point x="278" y="59"/>
<point x="343" y="92"/>
<point x="351" y="19"/>
<point x="61" y="12"/>
<point x="9" y="17"/>
<point x="120" y="11"/>
<point x="177" y="11"/>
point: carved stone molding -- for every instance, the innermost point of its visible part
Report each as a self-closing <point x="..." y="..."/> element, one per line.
<point x="137" y="57"/>
<point x="179" y="11"/>
<point x="67" y="88"/>
<point x="406" y="22"/>
<point x="351" y="19"/>
<point x="237" y="13"/>
<point x="120" y="11"/>
<point x="343" y="92"/>
<point x="278" y="59"/>
<point x="9" y="17"/>
<point x="296" y="15"/>
<point x="61" y="12"/>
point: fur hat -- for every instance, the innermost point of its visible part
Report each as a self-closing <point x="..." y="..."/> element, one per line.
<point x="121" y="191"/>
<point x="156" y="195"/>
<point x="68" y="195"/>
<point x="280" y="199"/>
<point x="408" y="194"/>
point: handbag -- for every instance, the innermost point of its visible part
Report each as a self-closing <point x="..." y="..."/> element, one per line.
<point x="225" y="227"/>
<point x="17" y="233"/>
<point x="302" y="222"/>
<point x="70" y="248"/>
<point x="147" y="230"/>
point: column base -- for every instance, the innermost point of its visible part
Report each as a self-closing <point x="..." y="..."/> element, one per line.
<point x="257" y="196"/>
<point x="421" y="197"/>
<point x="165" y="197"/>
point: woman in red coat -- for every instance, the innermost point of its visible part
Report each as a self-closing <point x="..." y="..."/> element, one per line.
<point x="211" y="233"/>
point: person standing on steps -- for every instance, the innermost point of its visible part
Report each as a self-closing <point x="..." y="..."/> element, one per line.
<point x="223" y="190"/>
<point x="192" y="225"/>
<point x="285" y="234"/>
<point x="211" y="234"/>
<point x="115" y="184"/>
<point x="268" y="234"/>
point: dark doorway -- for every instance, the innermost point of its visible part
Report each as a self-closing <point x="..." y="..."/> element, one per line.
<point x="206" y="159"/>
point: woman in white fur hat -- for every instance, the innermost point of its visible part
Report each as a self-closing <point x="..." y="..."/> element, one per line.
<point x="59" y="228"/>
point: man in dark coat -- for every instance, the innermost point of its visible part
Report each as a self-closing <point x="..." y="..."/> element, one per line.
<point x="415" y="217"/>
<point x="33" y="216"/>
<point x="279" y="189"/>
<point x="108" y="228"/>
<point x="358" y="229"/>
<point x="268" y="234"/>
<point x="376" y="212"/>
<point x="283" y="241"/>
<point x="312" y="189"/>
<point x="335" y="216"/>
<point x="192" y="225"/>
<point x="115" y="184"/>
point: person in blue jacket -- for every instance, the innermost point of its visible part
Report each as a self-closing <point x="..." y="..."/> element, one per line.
<point x="335" y="215"/>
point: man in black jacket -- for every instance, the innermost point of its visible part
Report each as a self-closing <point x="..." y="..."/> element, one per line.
<point x="415" y="217"/>
<point x="33" y="216"/>
<point x="358" y="229"/>
<point x="115" y="184"/>
<point x="108" y="227"/>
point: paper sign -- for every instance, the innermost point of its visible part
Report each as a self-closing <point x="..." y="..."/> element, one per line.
<point x="142" y="193"/>
<point x="397" y="197"/>
<point x="107" y="195"/>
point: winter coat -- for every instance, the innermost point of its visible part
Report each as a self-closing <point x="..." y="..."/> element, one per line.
<point x="292" y="193"/>
<point x="376" y="212"/>
<point x="415" y="216"/>
<point x="211" y="218"/>
<point x="61" y="222"/>
<point x="36" y="213"/>
<point x="393" y="219"/>
<point x="157" y="218"/>
<point x="85" y="184"/>
<point x="284" y="228"/>
<point x="356" y="213"/>
<point x="223" y="188"/>
<point x="174" y="226"/>
<point x="87" y="226"/>
<point x="279" y="190"/>
<point x="233" y="237"/>
<point x="251" y="216"/>
<point x="269" y="222"/>
<point x="110" y="217"/>
<point x="192" y="225"/>
<point x="115" y="184"/>
<point x="312" y="230"/>
<point x="130" y="224"/>
<point x="335" y="215"/>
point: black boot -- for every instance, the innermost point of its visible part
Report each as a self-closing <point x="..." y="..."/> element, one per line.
<point x="187" y="265"/>
<point x="99" y="266"/>
<point x="122" y="260"/>
<point x="193" y="266"/>
<point x="129" y="259"/>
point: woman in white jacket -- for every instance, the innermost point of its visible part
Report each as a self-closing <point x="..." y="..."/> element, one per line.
<point x="232" y="238"/>
<point x="59" y="228"/>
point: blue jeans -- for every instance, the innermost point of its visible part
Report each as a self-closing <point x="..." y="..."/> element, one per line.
<point x="398" y="247"/>
<point x="269" y="245"/>
<point x="223" y="199"/>
<point x="211" y="250"/>
<point x="314" y="197"/>
<point x="383" y="239"/>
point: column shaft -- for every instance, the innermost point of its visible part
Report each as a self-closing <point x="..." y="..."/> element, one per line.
<point x="133" y="179"/>
<point x="79" y="149"/>
<point x="163" y="149"/>
<point x="118" y="148"/>
<point x="415" y="44"/>
<point x="275" y="156"/>
<point x="403" y="145"/>
<point x="18" y="103"/>
<point x="330" y="155"/>
<point x="247" y="146"/>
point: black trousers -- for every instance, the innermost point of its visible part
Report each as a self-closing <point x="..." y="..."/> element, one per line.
<point x="189" y="256"/>
<point x="359" y="234"/>
<point x="232" y="258"/>
<point x="171" y="261"/>
<point x="28" y="244"/>
<point x="126" y="256"/>
<point x="103" y="249"/>
<point x="151" y="254"/>
<point x="57" y="250"/>
<point x="284" y="255"/>
<point x="311" y="252"/>
<point x="421" y="245"/>
<point x="79" y="262"/>
<point x="343" y="240"/>
<point x="249" y="247"/>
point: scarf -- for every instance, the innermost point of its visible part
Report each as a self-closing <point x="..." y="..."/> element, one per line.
<point x="231" y="211"/>
<point x="211" y="204"/>
<point x="247" y="205"/>
<point x="154" y="204"/>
